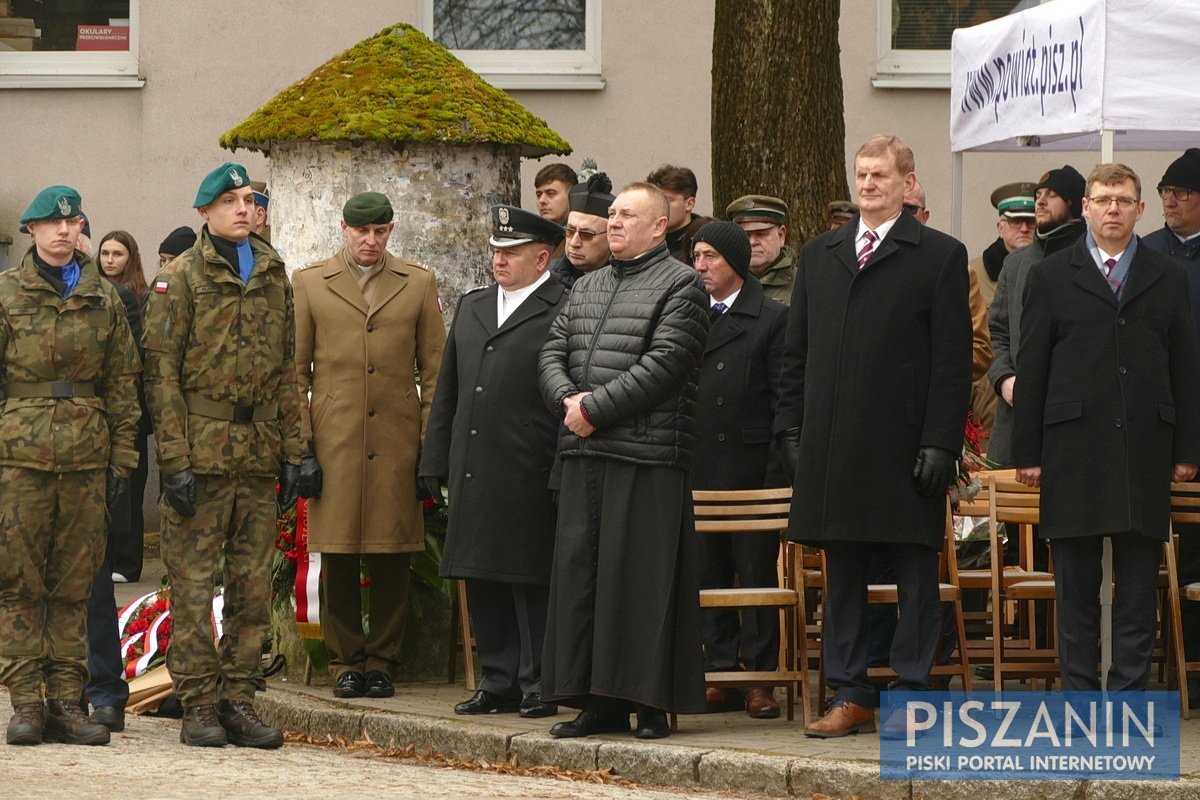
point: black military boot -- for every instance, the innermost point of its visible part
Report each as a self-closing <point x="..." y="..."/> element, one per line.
<point x="201" y="728"/>
<point x="26" y="724"/>
<point x="66" y="723"/>
<point x="245" y="729"/>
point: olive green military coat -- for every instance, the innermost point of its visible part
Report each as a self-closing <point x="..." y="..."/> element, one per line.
<point x="362" y="409"/>
<point x="83" y="338"/>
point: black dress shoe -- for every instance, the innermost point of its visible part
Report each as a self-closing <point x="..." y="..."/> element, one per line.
<point x="350" y="684"/>
<point x="379" y="684"/>
<point x="110" y="717"/>
<point x="589" y="723"/>
<point x="532" y="706"/>
<point x="651" y="724"/>
<point x="485" y="702"/>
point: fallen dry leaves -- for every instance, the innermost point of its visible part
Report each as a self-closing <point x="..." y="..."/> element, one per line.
<point x="364" y="747"/>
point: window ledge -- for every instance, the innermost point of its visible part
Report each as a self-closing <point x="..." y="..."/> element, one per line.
<point x="72" y="82"/>
<point x="911" y="81"/>
<point x="522" y="81"/>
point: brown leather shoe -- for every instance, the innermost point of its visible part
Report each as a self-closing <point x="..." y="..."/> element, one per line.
<point x="719" y="700"/>
<point x="842" y="719"/>
<point x="760" y="703"/>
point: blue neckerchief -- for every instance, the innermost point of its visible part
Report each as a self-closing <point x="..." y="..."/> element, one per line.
<point x="245" y="259"/>
<point x="70" y="276"/>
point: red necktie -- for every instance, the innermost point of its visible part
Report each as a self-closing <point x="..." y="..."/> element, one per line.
<point x="864" y="255"/>
<point x="1113" y="283"/>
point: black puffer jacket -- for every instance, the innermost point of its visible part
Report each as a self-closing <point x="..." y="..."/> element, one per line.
<point x="634" y="336"/>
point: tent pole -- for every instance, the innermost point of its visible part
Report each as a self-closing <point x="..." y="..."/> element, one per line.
<point x="956" y="195"/>
<point x="1106" y="145"/>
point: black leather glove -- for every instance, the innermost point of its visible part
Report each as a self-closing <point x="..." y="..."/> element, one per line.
<point x="115" y="490"/>
<point x="312" y="478"/>
<point x="180" y="491"/>
<point x="289" y="485"/>
<point x="934" y="470"/>
<point x="431" y="486"/>
<point x="789" y="451"/>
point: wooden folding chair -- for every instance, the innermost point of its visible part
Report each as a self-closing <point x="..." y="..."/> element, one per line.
<point x="1185" y="509"/>
<point x="757" y="511"/>
<point x="1015" y="504"/>
<point x="949" y="591"/>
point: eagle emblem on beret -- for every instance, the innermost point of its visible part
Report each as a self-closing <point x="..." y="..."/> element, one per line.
<point x="235" y="177"/>
<point x="64" y="206"/>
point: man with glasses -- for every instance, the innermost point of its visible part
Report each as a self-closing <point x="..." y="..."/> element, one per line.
<point x="1107" y="415"/>
<point x="1180" y="238"/>
<point x="587" y="230"/>
<point x="1058" y="210"/>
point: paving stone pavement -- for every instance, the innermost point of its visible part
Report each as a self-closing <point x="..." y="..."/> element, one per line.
<point x="728" y="752"/>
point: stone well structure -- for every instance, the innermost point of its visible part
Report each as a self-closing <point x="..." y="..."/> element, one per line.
<point x="397" y="114"/>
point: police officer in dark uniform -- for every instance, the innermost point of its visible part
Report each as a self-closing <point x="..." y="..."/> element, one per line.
<point x="491" y="436"/>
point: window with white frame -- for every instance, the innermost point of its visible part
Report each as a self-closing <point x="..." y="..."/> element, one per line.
<point x="521" y="44"/>
<point x="48" y="43"/>
<point x="914" y="37"/>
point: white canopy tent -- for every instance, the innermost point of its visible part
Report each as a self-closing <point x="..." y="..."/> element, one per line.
<point x="1076" y="75"/>
<point x="1102" y="75"/>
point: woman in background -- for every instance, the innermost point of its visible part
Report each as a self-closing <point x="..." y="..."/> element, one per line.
<point x="121" y="263"/>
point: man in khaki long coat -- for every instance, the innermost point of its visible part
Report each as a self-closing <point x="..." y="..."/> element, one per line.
<point x="363" y="319"/>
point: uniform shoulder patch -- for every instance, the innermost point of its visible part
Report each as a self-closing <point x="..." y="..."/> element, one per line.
<point x="160" y="286"/>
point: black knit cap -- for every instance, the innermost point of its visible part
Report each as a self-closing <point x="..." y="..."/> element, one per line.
<point x="728" y="239"/>
<point x="177" y="241"/>
<point x="1184" y="171"/>
<point x="593" y="197"/>
<point x="1068" y="184"/>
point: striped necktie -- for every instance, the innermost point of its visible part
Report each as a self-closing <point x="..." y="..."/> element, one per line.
<point x="864" y="255"/>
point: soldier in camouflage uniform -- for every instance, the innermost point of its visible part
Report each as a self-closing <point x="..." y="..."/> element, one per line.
<point x="67" y="429"/>
<point x="221" y="385"/>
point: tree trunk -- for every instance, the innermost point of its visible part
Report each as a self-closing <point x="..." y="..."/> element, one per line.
<point x="777" y="118"/>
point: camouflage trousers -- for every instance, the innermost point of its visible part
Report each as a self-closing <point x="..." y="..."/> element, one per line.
<point x="53" y="530"/>
<point x="233" y="532"/>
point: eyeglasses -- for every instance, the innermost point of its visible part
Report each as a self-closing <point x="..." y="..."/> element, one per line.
<point x="913" y="208"/>
<point x="584" y="235"/>
<point x="1125" y="203"/>
<point x="1180" y="194"/>
<point x="1020" y="222"/>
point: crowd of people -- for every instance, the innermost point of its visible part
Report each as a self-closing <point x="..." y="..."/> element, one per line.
<point x="627" y="352"/>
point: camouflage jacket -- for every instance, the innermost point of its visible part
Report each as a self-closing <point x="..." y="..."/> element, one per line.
<point x="84" y="338"/>
<point x="208" y="336"/>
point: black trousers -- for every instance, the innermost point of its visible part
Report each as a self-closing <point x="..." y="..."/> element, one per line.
<point x="846" y="619"/>
<point x="106" y="684"/>
<point x="509" y="621"/>
<point x="128" y="541"/>
<point x="753" y="559"/>
<point x="1134" y="614"/>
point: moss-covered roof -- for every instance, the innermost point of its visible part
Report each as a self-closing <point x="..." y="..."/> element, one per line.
<point x="396" y="86"/>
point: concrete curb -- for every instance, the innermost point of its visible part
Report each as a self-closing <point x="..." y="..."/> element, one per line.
<point x="745" y="772"/>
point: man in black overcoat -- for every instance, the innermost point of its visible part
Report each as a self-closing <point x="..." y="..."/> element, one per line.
<point x="1107" y="415"/>
<point x="873" y="398"/>
<point x="735" y="406"/>
<point x="491" y="436"/>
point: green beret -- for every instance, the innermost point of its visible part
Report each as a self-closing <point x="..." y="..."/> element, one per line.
<point x="367" y="208"/>
<point x="220" y="180"/>
<point x="54" y="202"/>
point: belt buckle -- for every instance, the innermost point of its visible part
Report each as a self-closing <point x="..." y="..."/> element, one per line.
<point x="243" y="414"/>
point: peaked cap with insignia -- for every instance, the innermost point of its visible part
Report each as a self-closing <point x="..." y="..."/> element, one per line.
<point x="512" y="226"/>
